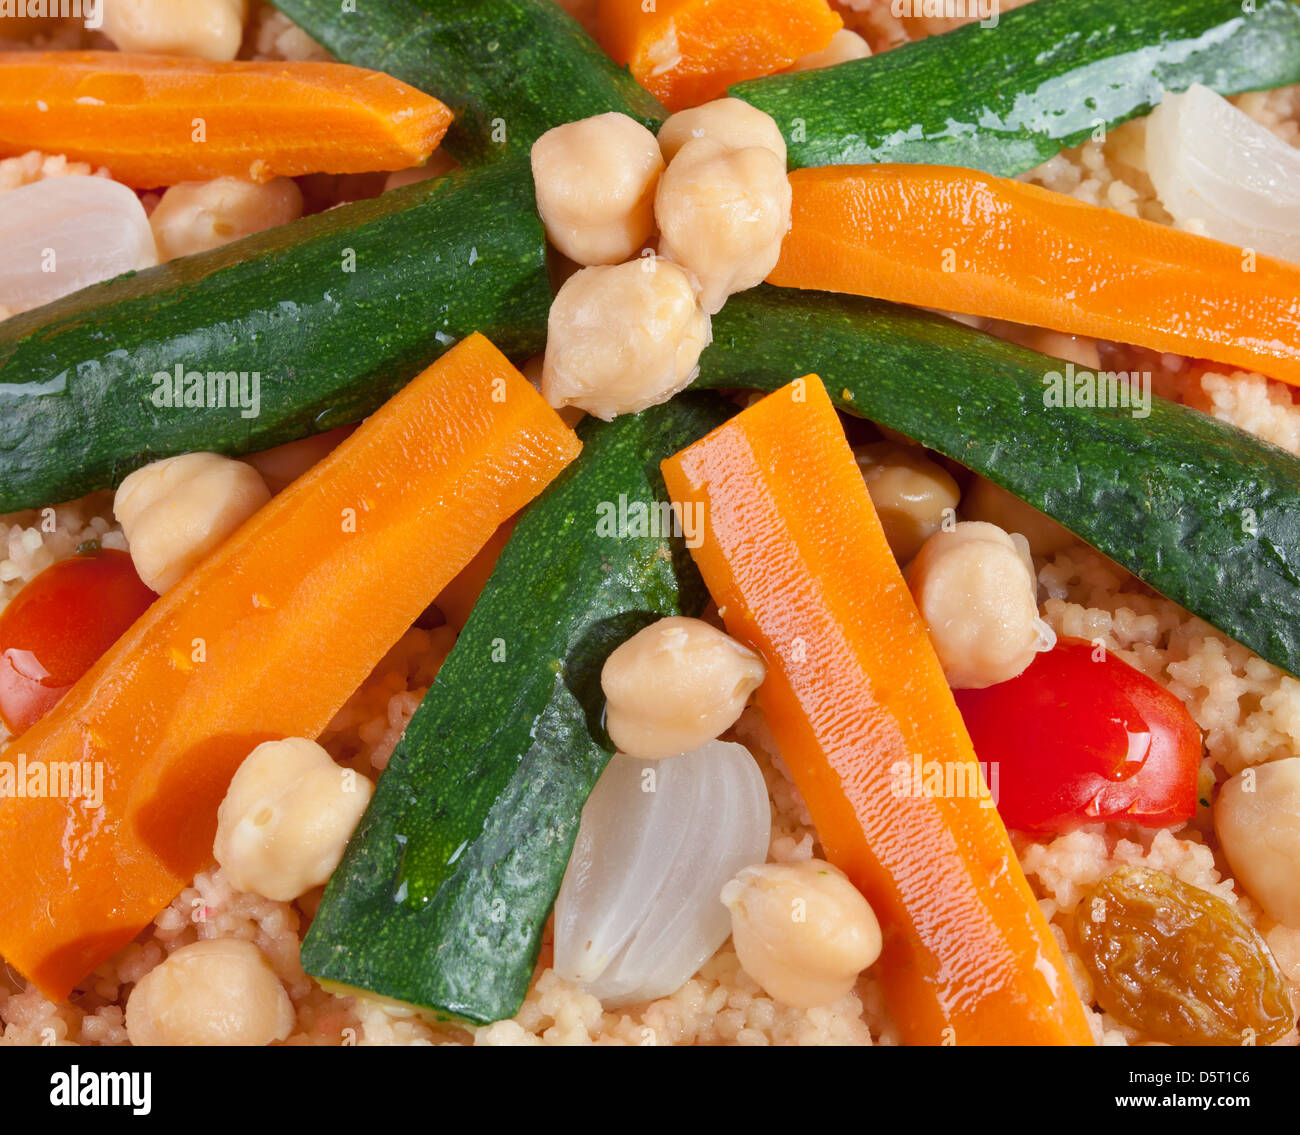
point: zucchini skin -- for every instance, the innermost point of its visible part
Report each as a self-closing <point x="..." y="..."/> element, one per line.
<point x="446" y="886"/>
<point x="1203" y="512"/>
<point x="1006" y="100"/>
<point x="518" y="66"/>
<point x="431" y="263"/>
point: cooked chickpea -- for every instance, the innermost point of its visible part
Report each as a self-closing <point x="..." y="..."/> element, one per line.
<point x="201" y="29"/>
<point x="196" y="216"/>
<point x="844" y="47"/>
<point x="911" y="494"/>
<point x="623" y="338"/>
<point x="218" y="992"/>
<point x="1259" y="830"/>
<point x="175" y="511"/>
<point x="801" y="930"/>
<point x="596" y="182"/>
<point x="723" y="214"/>
<point x="732" y="123"/>
<point x="286" y="819"/>
<point x="676" y="685"/>
<point x="976" y="590"/>
<point x="988" y="501"/>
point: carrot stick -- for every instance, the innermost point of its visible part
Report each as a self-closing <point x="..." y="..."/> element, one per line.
<point x="266" y="638"/>
<point x="982" y="245"/>
<point x="156" y="120"/>
<point x="686" y="52"/>
<point x="796" y="559"/>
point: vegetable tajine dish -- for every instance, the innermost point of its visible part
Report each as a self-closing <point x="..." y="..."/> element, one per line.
<point x="694" y="522"/>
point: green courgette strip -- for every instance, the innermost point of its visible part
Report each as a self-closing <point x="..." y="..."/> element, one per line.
<point x="1049" y="76"/>
<point x="509" y="69"/>
<point x="1000" y="99"/>
<point x="333" y="313"/>
<point x="1201" y="511"/>
<point x="444" y="890"/>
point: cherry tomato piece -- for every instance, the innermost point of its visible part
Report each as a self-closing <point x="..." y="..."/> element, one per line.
<point x="1078" y="741"/>
<point x="57" y="627"/>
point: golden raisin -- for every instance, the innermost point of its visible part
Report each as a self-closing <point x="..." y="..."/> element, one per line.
<point x="1178" y="963"/>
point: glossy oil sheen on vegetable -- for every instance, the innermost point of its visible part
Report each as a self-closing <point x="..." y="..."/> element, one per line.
<point x="1049" y="76"/>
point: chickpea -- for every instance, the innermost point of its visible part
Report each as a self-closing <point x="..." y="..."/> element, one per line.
<point x="911" y="494"/>
<point x="201" y="29"/>
<point x="286" y="819"/>
<point x="732" y="123"/>
<point x="218" y="992"/>
<point x="622" y="338"/>
<point x="676" y="685"/>
<point x="196" y="216"/>
<point x="988" y="501"/>
<point x="175" y="511"/>
<point x="801" y="930"/>
<point x="596" y="183"/>
<point x="976" y="590"/>
<point x="844" y="47"/>
<point x="723" y="214"/>
<point x="1259" y="831"/>
<point x="531" y="369"/>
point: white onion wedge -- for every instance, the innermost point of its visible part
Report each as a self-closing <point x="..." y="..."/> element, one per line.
<point x="1220" y="173"/>
<point x="639" y="910"/>
<point x="66" y="233"/>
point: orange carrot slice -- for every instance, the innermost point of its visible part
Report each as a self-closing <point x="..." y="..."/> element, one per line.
<point x="797" y="561"/>
<point x="982" y="245"/>
<point x="686" y="52"/>
<point x="155" y="120"/>
<point x="266" y="638"/>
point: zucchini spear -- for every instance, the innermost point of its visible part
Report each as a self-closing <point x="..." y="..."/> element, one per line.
<point x="305" y="327"/>
<point x="446" y="885"/>
<point x="1203" y="512"/>
<point x="509" y="69"/>
<point x="1051" y="75"/>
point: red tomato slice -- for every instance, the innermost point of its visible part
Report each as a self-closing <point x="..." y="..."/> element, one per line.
<point x="57" y="627"/>
<point x="1078" y="741"/>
